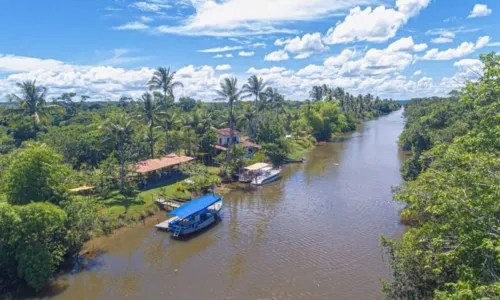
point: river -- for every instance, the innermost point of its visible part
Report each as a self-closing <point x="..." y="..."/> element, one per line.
<point x="313" y="234"/>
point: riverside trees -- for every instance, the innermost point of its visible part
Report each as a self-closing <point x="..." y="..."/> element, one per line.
<point x="47" y="149"/>
<point x="452" y="248"/>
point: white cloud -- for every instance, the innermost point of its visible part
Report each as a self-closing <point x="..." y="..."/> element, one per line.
<point x="149" y="7"/>
<point x="469" y="63"/>
<point x="281" y="42"/>
<point x="243" y="17"/>
<point x="223" y="67"/>
<point x="495" y="44"/>
<point x="221" y="49"/>
<point x="480" y="10"/>
<point x="306" y="46"/>
<point x="13" y="63"/>
<point x="229" y="55"/>
<point x="441" y="40"/>
<point x="257" y="45"/>
<point x="374" y="25"/>
<point x="377" y="62"/>
<point x="100" y="82"/>
<point x="145" y="19"/>
<point x="278" y="55"/>
<point x="417" y="73"/>
<point x="338" y="60"/>
<point x="463" y="49"/>
<point x="132" y="26"/>
<point x="219" y="56"/>
<point x="244" y="53"/>
<point x="406" y="44"/>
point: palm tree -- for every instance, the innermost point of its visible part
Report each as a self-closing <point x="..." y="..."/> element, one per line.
<point x="149" y="114"/>
<point x="119" y="129"/>
<point x="229" y="92"/>
<point x="246" y="118"/>
<point x="201" y="121"/>
<point x="32" y="103"/>
<point x="163" y="80"/>
<point x="169" y="121"/>
<point x="276" y="100"/>
<point x="187" y="125"/>
<point x="316" y="93"/>
<point x="255" y="86"/>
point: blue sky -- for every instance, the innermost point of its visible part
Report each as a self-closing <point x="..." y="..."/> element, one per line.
<point x="108" y="48"/>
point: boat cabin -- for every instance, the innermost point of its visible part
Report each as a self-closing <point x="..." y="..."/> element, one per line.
<point x="250" y="172"/>
<point x="194" y="215"/>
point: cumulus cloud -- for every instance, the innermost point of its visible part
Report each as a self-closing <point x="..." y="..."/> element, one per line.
<point x="259" y="45"/>
<point x="244" y="53"/>
<point x="463" y="49"/>
<point x="278" y="55"/>
<point x="338" y="60"/>
<point x="221" y="49"/>
<point x="306" y="46"/>
<point x="480" y="10"/>
<point x="406" y="44"/>
<point x="441" y="40"/>
<point x="374" y="25"/>
<point x="223" y="67"/>
<point x="243" y="17"/>
<point x="417" y="73"/>
<point x="100" y="82"/>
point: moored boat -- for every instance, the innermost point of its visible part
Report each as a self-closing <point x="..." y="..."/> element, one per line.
<point x="250" y="172"/>
<point x="194" y="215"/>
<point x="266" y="175"/>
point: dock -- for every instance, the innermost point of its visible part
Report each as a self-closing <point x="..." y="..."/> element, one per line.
<point x="164" y="225"/>
<point x="167" y="204"/>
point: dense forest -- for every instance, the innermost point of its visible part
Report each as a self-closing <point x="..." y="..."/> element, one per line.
<point x="49" y="146"/>
<point x="452" y="195"/>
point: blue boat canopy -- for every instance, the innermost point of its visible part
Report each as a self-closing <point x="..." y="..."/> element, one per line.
<point x="194" y="206"/>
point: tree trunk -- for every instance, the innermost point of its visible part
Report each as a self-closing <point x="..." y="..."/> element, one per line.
<point x="166" y="141"/>
<point x="35" y="129"/>
<point x="122" y="166"/>
<point x="230" y="144"/>
<point x="151" y="142"/>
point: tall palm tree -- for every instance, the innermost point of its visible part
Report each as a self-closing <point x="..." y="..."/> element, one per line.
<point x="32" y="103"/>
<point x="255" y="86"/>
<point x="201" y="121"/>
<point x="163" y="80"/>
<point x="169" y="121"/>
<point x="229" y="92"/>
<point x="187" y="125"/>
<point x="119" y="130"/>
<point x="246" y="118"/>
<point x="276" y="100"/>
<point x="316" y="93"/>
<point x="149" y="114"/>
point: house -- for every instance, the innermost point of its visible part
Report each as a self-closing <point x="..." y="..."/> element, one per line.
<point x="223" y="137"/>
<point x="223" y="141"/>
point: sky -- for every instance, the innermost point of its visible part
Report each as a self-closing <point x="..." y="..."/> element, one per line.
<point x="109" y="48"/>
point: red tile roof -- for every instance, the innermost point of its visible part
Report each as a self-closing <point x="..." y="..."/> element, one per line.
<point x="249" y="144"/>
<point x="219" y="147"/>
<point x="169" y="160"/>
<point x="225" y="131"/>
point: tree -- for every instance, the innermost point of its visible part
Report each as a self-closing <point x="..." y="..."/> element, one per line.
<point x="316" y="93"/>
<point x="32" y="103"/>
<point x="41" y="244"/>
<point x="35" y="174"/>
<point x="149" y="114"/>
<point x="119" y="129"/>
<point x="163" y="80"/>
<point x="187" y="104"/>
<point x="255" y="86"/>
<point x="229" y="92"/>
<point x="169" y="121"/>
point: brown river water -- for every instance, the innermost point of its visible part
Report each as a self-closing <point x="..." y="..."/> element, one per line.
<point x="313" y="234"/>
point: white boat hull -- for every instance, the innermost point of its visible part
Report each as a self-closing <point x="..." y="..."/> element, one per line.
<point x="260" y="180"/>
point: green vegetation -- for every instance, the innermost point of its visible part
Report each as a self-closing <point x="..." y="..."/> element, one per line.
<point x="452" y="247"/>
<point x="48" y="148"/>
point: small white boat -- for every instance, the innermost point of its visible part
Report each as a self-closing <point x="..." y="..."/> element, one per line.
<point x="266" y="175"/>
<point x="250" y="172"/>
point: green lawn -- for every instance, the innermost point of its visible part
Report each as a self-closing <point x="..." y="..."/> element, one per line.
<point x="134" y="208"/>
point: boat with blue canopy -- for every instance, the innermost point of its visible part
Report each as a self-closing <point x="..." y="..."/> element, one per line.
<point x="194" y="215"/>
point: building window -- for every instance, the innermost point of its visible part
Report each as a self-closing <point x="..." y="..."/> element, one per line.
<point x="227" y="141"/>
<point x="220" y="141"/>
